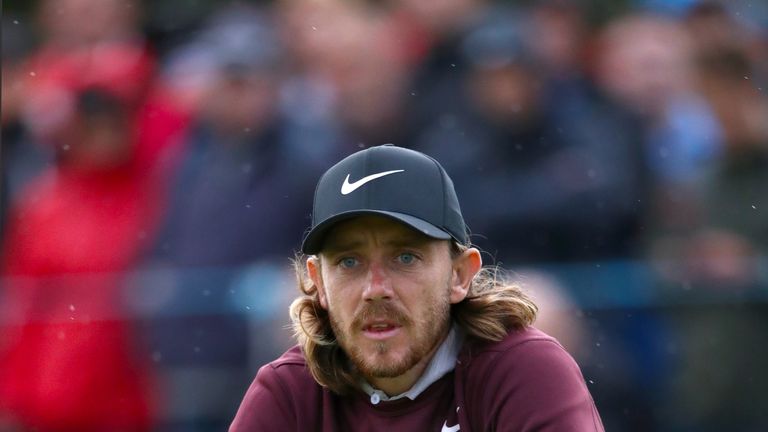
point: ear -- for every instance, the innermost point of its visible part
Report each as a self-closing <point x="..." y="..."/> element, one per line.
<point x="316" y="276"/>
<point x="465" y="267"/>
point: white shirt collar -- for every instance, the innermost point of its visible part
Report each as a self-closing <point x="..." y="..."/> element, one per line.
<point x="441" y="363"/>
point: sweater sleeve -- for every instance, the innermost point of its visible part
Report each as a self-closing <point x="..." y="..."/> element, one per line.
<point x="537" y="386"/>
<point x="266" y="405"/>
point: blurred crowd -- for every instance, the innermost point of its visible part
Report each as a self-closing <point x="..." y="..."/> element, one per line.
<point x="159" y="160"/>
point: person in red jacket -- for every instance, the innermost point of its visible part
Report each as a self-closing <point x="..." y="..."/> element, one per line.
<point x="400" y="327"/>
<point x="69" y="359"/>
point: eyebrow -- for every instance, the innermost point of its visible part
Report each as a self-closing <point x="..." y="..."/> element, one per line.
<point x="337" y="246"/>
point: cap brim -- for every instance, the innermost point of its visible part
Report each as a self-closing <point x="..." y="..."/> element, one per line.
<point x="313" y="242"/>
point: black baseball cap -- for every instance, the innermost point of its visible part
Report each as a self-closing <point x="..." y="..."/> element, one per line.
<point x="402" y="184"/>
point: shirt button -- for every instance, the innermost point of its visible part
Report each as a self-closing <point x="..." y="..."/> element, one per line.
<point x="375" y="398"/>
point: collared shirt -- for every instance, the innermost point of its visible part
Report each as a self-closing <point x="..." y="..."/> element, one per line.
<point x="441" y="363"/>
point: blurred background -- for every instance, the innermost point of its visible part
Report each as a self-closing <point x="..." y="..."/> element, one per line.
<point x="159" y="159"/>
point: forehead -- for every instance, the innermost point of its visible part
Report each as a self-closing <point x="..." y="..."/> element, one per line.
<point x="371" y="229"/>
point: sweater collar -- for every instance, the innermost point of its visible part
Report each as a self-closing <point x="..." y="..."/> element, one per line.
<point x="443" y="362"/>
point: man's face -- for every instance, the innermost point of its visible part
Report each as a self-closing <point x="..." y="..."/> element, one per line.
<point x="388" y="290"/>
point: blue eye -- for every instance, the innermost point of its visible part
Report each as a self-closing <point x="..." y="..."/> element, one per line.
<point x="348" y="262"/>
<point x="406" y="258"/>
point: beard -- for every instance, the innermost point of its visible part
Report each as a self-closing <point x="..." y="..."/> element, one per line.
<point x="426" y="332"/>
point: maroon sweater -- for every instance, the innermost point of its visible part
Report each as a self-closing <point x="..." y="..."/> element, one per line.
<point x="526" y="382"/>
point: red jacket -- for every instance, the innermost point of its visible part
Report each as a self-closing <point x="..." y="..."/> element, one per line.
<point x="67" y="357"/>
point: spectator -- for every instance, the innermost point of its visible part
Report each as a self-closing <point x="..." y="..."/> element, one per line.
<point x="76" y="229"/>
<point x="563" y="173"/>
<point x="721" y="246"/>
<point x="239" y="186"/>
<point x="646" y="64"/>
<point x="77" y="225"/>
<point x="347" y="77"/>
<point x="105" y="50"/>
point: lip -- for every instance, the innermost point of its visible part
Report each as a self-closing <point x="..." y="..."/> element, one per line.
<point x="379" y="334"/>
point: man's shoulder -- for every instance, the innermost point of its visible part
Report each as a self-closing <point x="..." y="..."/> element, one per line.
<point x="288" y="377"/>
<point x="292" y="357"/>
<point x="516" y="339"/>
<point x="282" y="389"/>
<point x="291" y="366"/>
<point x="530" y="371"/>
<point x="523" y="347"/>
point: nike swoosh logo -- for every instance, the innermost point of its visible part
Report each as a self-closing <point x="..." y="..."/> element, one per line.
<point x="347" y="187"/>
<point x="447" y="428"/>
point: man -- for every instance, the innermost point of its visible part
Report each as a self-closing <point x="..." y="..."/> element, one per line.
<point x="399" y="326"/>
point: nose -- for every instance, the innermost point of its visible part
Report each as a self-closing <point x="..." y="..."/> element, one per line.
<point x="377" y="284"/>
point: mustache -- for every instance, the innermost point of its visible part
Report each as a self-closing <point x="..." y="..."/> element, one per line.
<point x="378" y="310"/>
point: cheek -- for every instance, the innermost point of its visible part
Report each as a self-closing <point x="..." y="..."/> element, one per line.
<point x="341" y="287"/>
<point x="420" y="294"/>
<point x="334" y="296"/>
<point x="340" y="310"/>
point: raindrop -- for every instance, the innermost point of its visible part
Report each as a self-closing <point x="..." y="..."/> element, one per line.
<point x="206" y="293"/>
<point x="16" y="22"/>
<point x="754" y="206"/>
<point x="597" y="344"/>
<point x="591" y="382"/>
<point x="248" y="308"/>
<point x="65" y="147"/>
<point x="314" y="28"/>
<point x="157" y="356"/>
<point x="72" y="307"/>
<point x="746" y="77"/>
<point x="197" y="349"/>
<point x="33" y="73"/>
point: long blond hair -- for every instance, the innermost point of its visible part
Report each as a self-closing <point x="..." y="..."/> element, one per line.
<point x="492" y="308"/>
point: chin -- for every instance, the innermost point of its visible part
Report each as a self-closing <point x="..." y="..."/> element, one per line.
<point x="385" y="363"/>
